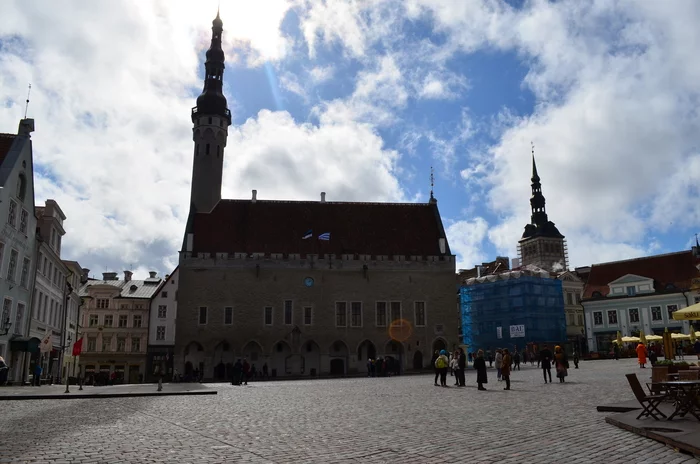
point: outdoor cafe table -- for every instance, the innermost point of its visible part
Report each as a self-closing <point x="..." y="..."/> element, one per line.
<point x="686" y="394"/>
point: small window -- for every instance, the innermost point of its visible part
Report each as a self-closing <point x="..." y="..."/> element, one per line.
<point x="634" y="314"/>
<point x="631" y="290"/>
<point x="123" y="320"/>
<point x="671" y="309"/>
<point x="137" y="322"/>
<point x="162" y="311"/>
<point x="121" y="345"/>
<point x="24" y="277"/>
<point x="106" y="343"/>
<point x="308" y="315"/>
<point x="228" y="315"/>
<point x="209" y="123"/>
<point x="268" y="315"/>
<point x="206" y="150"/>
<point x="612" y="317"/>
<point x="202" y="315"/>
<point x="21" y="187"/>
<point x="341" y="314"/>
<point x="93" y="319"/>
<point x="569" y="298"/>
<point x="135" y="345"/>
<point x="164" y="294"/>
<point x="356" y="314"/>
<point x="102" y="303"/>
<point x="23" y="220"/>
<point x="160" y="332"/>
<point x="420" y="313"/>
<point x="395" y="312"/>
<point x="92" y="344"/>
<point x="381" y="314"/>
<point x="12" y="214"/>
<point x="288" y="312"/>
<point x="109" y="320"/>
<point x="578" y="299"/>
<point x="12" y="266"/>
<point x="598" y="318"/>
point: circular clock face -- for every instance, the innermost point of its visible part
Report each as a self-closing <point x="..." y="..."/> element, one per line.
<point x="308" y="281"/>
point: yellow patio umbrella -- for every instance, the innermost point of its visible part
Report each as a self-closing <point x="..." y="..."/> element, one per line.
<point x="689" y="313"/>
<point x="654" y="338"/>
<point x="692" y="334"/>
<point x="642" y="338"/>
<point x="677" y="336"/>
<point x="630" y="339"/>
<point x="619" y="338"/>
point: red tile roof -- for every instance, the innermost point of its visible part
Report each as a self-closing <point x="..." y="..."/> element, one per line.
<point x="673" y="268"/>
<point x="6" y="141"/>
<point x="356" y="228"/>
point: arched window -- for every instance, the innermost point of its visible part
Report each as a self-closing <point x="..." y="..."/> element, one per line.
<point x="206" y="152"/>
<point x="21" y="187"/>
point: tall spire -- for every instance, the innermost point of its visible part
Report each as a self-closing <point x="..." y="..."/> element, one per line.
<point x="537" y="201"/>
<point x="212" y="101"/>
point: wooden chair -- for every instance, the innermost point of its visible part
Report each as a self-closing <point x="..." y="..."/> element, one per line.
<point x="650" y="403"/>
<point x="688" y="375"/>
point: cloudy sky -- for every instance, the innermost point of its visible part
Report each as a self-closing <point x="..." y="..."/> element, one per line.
<point x="359" y="99"/>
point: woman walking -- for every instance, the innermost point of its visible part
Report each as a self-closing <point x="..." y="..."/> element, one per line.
<point x="561" y="363"/>
<point x="505" y="368"/>
<point x="499" y="363"/>
<point x="480" y="366"/>
<point x="642" y="355"/>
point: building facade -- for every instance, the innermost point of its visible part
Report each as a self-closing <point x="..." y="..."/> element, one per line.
<point x="542" y="245"/>
<point x="48" y="315"/>
<point x="114" y="319"/>
<point x="306" y="288"/>
<point x="639" y="294"/>
<point x="512" y="309"/>
<point x="572" y="288"/>
<point x="17" y="249"/>
<point x="161" y="327"/>
<point x="76" y="277"/>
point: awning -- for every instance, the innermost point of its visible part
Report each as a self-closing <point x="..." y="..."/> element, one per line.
<point x="689" y="313"/>
<point x="24" y="344"/>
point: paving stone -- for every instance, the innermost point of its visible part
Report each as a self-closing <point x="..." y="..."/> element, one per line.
<point x="382" y="420"/>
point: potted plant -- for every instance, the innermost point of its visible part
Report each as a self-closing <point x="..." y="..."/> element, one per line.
<point x="682" y="366"/>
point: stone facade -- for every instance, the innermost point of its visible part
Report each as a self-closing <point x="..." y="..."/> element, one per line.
<point x="302" y="342"/>
<point x="161" y="327"/>
<point x="572" y="288"/>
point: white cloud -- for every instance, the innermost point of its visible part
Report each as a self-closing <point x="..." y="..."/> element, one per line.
<point x="441" y="86"/>
<point x="320" y="74"/>
<point x="466" y="240"/>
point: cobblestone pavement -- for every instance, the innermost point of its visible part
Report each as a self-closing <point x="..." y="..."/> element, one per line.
<point x="398" y="419"/>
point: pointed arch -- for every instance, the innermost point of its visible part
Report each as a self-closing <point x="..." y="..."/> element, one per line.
<point x="253" y="351"/>
<point x="366" y="350"/>
<point x="311" y="358"/>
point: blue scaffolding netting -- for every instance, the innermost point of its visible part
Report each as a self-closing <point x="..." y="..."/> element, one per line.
<point x="512" y="312"/>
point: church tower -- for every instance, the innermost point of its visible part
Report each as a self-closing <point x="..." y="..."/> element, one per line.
<point x="542" y="244"/>
<point x="210" y="119"/>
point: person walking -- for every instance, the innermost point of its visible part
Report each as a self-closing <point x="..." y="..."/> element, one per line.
<point x="561" y="363"/>
<point x="575" y="359"/>
<point x="461" y="366"/>
<point x="441" y="364"/>
<point x="480" y="366"/>
<point x="37" y="374"/>
<point x="642" y="355"/>
<point x="454" y="366"/>
<point x="516" y="360"/>
<point x="499" y="363"/>
<point x="546" y="363"/>
<point x="505" y="368"/>
<point x="436" y="355"/>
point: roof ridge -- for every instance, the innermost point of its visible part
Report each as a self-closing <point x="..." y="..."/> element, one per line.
<point x="241" y="200"/>
<point x="641" y="258"/>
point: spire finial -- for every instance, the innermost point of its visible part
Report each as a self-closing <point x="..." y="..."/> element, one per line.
<point x="432" y="182"/>
<point x="534" y="166"/>
<point x="26" y="106"/>
<point x="697" y="244"/>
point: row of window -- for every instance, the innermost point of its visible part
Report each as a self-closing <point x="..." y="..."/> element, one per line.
<point x="46" y="309"/>
<point x="23" y="217"/>
<point x="656" y="315"/>
<point x="346" y="314"/>
<point x="106" y="346"/>
<point x="574" y="319"/>
<point x="11" y="275"/>
<point x="122" y="321"/>
<point x="19" y="316"/>
<point x="570" y="297"/>
<point x="103" y="303"/>
<point x="50" y="271"/>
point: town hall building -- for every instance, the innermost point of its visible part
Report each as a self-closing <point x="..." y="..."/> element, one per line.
<point x="307" y="288"/>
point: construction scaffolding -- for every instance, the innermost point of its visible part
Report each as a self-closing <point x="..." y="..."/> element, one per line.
<point x="512" y="309"/>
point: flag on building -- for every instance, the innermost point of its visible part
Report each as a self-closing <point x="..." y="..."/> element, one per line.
<point x="309" y="233"/>
<point x="78" y="347"/>
<point x="46" y="344"/>
<point x="326" y="236"/>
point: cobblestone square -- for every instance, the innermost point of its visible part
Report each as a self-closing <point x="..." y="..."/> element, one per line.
<point x="395" y="420"/>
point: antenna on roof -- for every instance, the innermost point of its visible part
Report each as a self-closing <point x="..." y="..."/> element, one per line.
<point x="26" y="105"/>
<point x="432" y="181"/>
<point x="696" y="241"/>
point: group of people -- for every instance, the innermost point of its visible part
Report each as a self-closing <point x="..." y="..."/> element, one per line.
<point x="383" y="367"/>
<point x="505" y="363"/>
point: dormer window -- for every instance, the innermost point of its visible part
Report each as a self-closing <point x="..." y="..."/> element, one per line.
<point x="631" y="290"/>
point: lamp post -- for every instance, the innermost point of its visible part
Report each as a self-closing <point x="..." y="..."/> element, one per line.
<point x="6" y="324"/>
<point x="67" y="376"/>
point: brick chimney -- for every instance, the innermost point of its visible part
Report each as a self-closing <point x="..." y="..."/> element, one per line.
<point x="323" y="197"/>
<point x="255" y="196"/>
<point x="109" y="276"/>
<point x="127" y="275"/>
<point x="86" y="274"/>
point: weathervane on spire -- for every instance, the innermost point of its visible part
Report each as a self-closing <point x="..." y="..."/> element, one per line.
<point x="532" y="144"/>
<point x="26" y="105"/>
<point x="432" y="182"/>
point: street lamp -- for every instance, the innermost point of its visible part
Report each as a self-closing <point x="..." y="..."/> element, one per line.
<point x="6" y="326"/>
<point x="67" y="376"/>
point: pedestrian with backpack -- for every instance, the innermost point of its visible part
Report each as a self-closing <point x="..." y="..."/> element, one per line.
<point x="441" y="364"/>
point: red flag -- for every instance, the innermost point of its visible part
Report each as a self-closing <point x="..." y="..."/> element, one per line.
<point x="78" y="347"/>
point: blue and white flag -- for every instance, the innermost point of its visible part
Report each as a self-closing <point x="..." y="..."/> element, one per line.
<point x="309" y="233"/>
<point x="326" y="236"/>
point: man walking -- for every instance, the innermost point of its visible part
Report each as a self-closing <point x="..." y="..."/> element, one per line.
<point x="546" y="363"/>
